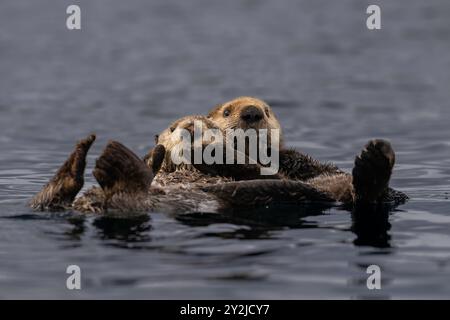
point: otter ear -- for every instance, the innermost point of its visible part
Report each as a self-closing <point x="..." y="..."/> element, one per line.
<point x="214" y="110"/>
<point x="156" y="138"/>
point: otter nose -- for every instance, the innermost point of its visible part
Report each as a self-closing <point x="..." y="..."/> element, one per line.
<point x="251" y="114"/>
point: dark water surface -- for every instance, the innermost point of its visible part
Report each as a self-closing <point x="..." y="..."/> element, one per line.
<point x="137" y="65"/>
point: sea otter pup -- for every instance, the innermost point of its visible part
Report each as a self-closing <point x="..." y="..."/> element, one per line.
<point x="199" y="171"/>
<point x="370" y="176"/>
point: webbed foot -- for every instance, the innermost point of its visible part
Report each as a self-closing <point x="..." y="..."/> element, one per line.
<point x="125" y="180"/>
<point x="118" y="169"/>
<point x="372" y="171"/>
<point x="61" y="190"/>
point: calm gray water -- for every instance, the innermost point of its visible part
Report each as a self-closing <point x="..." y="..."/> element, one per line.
<point x="137" y="65"/>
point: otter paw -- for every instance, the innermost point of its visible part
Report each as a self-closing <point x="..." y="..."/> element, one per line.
<point x="155" y="158"/>
<point x="118" y="169"/>
<point x="372" y="170"/>
<point x="61" y="190"/>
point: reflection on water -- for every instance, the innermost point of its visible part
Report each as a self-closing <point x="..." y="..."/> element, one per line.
<point x="371" y="227"/>
<point x="138" y="65"/>
<point x="128" y="230"/>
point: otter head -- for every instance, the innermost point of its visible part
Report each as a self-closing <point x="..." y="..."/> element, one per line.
<point x="247" y="113"/>
<point x="173" y="138"/>
<point x="250" y="126"/>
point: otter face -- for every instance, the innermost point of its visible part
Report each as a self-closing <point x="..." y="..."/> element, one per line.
<point x="171" y="136"/>
<point x="246" y="113"/>
<point x="174" y="136"/>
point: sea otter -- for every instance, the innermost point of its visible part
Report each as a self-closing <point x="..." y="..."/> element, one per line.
<point x="373" y="166"/>
<point x="125" y="180"/>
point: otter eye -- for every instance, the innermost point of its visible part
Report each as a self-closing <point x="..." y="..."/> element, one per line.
<point x="172" y="129"/>
<point x="266" y="110"/>
<point x="226" y="113"/>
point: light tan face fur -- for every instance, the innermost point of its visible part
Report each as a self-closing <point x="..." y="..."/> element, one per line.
<point x="170" y="137"/>
<point x="234" y="115"/>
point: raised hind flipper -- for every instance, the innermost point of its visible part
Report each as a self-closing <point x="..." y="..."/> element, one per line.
<point x="124" y="178"/>
<point x="118" y="169"/>
<point x="372" y="171"/>
<point x="61" y="190"/>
